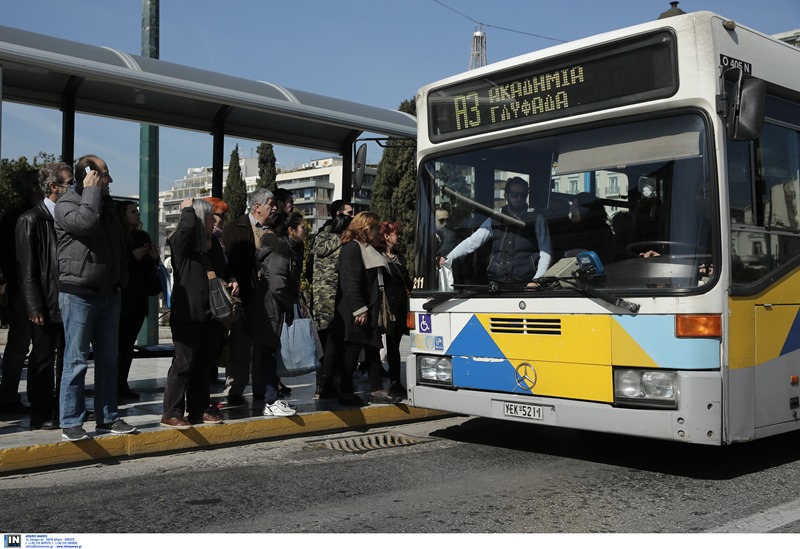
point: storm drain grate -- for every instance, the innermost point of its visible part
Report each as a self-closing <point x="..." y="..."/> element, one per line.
<point x="365" y="443"/>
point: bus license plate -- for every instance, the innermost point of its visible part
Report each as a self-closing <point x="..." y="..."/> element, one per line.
<point x="522" y="410"/>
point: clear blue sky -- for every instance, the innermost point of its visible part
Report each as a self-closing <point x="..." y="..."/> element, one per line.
<point x="376" y="52"/>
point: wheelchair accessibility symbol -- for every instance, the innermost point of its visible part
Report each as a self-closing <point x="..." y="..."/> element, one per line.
<point x="424" y="323"/>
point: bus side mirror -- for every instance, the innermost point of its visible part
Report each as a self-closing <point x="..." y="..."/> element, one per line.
<point x="359" y="165"/>
<point x="746" y="115"/>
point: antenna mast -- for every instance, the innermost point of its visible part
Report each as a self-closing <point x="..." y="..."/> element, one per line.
<point x="477" y="55"/>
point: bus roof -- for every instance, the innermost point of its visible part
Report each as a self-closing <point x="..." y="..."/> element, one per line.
<point x="554" y="51"/>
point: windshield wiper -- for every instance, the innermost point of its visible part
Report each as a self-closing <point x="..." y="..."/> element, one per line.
<point x="588" y="267"/>
<point x="580" y="283"/>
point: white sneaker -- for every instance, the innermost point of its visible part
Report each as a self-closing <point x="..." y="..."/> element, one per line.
<point x="279" y="408"/>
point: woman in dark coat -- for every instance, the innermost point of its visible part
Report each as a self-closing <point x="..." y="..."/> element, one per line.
<point x="194" y="331"/>
<point x="143" y="282"/>
<point x="398" y="288"/>
<point x="277" y="294"/>
<point x="358" y="306"/>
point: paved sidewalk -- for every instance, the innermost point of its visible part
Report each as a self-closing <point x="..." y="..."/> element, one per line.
<point x="22" y="448"/>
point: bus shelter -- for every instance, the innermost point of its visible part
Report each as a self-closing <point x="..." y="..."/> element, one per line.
<point x="46" y="71"/>
<point x="37" y="69"/>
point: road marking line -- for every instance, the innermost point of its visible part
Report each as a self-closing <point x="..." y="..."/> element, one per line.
<point x="763" y="521"/>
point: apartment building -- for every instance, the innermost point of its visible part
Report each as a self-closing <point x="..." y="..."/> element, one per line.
<point x="314" y="185"/>
<point x="317" y="183"/>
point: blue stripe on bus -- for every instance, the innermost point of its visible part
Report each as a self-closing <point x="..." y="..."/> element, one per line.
<point x="496" y="375"/>
<point x="792" y="342"/>
<point x="655" y="334"/>
<point x="473" y="340"/>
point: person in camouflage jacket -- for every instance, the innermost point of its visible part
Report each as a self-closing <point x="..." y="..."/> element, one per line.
<point x="325" y="251"/>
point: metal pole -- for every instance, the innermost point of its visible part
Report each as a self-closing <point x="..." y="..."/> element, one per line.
<point x="218" y="150"/>
<point x="148" y="166"/>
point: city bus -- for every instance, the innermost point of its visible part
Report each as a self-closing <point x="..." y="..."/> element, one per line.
<point x="675" y="317"/>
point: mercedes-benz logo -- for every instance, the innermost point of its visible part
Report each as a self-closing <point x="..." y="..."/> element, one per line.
<point x="525" y="376"/>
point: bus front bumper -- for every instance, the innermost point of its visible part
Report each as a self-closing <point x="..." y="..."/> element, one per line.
<point x="697" y="420"/>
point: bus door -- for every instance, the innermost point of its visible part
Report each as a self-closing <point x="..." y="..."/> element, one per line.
<point x="777" y="355"/>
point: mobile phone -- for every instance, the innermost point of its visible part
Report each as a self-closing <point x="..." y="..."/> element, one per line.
<point x="88" y="170"/>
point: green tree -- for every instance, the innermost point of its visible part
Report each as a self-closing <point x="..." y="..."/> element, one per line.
<point x="11" y="172"/>
<point x="267" y="172"/>
<point x="235" y="192"/>
<point x="394" y="195"/>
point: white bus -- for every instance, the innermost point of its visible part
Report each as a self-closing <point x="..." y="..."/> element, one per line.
<point x="648" y="283"/>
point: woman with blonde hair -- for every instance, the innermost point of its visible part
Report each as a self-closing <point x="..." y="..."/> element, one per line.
<point x="361" y="269"/>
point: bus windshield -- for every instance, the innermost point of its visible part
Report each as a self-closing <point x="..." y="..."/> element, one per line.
<point x="640" y="195"/>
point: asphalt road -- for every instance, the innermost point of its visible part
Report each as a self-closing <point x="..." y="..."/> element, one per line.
<point x="452" y="475"/>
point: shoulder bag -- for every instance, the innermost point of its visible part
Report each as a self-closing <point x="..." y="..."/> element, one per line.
<point x="224" y="307"/>
<point x="385" y="316"/>
<point x="298" y="354"/>
<point x="152" y="278"/>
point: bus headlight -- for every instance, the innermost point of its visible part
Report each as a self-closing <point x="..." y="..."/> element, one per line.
<point x="435" y="369"/>
<point x="646" y="388"/>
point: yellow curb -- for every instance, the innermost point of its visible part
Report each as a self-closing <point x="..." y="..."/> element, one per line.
<point x="202" y="436"/>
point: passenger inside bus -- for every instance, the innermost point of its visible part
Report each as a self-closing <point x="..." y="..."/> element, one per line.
<point x="696" y="243"/>
<point x="518" y="254"/>
<point x="647" y="215"/>
<point x="559" y="224"/>
<point x="589" y="228"/>
<point x="446" y="237"/>
<point x="622" y="227"/>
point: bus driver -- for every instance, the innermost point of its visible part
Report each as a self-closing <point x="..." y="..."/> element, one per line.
<point x="519" y="255"/>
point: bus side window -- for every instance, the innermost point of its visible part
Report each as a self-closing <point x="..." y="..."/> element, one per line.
<point x="740" y="182"/>
<point x="757" y="252"/>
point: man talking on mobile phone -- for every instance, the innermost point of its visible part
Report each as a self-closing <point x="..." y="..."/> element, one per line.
<point x="91" y="273"/>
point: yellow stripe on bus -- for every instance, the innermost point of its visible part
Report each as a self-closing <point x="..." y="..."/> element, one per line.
<point x="570" y="353"/>
<point x="625" y="351"/>
<point x="578" y="381"/>
<point x="555" y="338"/>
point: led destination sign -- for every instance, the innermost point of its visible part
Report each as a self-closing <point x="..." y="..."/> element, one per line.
<point x="625" y="72"/>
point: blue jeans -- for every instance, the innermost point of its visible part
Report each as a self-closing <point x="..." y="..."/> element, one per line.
<point x="95" y="321"/>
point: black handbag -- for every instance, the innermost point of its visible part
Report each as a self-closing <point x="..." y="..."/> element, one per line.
<point x="152" y="280"/>
<point x="385" y="315"/>
<point x="224" y="307"/>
